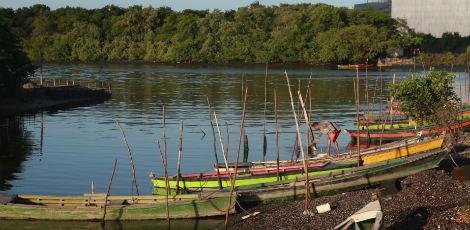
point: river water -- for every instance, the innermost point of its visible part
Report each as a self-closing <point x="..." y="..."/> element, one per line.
<point x="78" y="145"/>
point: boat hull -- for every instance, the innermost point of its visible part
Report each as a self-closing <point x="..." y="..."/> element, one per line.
<point x="367" y="136"/>
<point x="345" y="163"/>
<point x="145" y="208"/>
<point x="338" y="183"/>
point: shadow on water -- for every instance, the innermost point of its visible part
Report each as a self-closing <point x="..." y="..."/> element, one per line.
<point x="15" y="146"/>
<point x="113" y="225"/>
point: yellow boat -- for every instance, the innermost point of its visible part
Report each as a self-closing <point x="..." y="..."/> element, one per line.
<point x="405" y="150"/>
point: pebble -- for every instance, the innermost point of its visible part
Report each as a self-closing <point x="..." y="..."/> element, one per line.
<point x="427" y="200"/>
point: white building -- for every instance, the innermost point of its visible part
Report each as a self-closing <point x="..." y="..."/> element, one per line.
<point x="434" y="17"/>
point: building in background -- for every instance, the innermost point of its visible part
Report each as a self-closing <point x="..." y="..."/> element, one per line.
<point x="433" y="17"/>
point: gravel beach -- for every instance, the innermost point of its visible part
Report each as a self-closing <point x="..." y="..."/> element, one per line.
<point x="433" y="199"/>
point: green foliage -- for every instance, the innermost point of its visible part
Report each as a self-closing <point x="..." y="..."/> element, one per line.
<point x="449" y="42"/>
<point x="427" y="99"/>
<point x="302" y="33"/>
<point x="15" y="67"/>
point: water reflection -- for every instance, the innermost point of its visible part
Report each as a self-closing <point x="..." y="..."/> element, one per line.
<point x="15" y="146"/>
<point x="80" y="144"/>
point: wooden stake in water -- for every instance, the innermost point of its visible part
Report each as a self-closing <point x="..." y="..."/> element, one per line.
<point x="131" y="159"/>
<point x="234" y="176"/>
<point x="214" y="145"/>
<point x="108" y="189"/>
<point x="306" y="211"/>
<point x="41" y="144"/>
<point x="180" y="150"/>
<point x="356" y="86"/>
<point x="165" y="158"/>
<point x="265" y="144"/>
<point x="228" y="137"/>
<point x="307" y="119"/>
<point x="221" y="142"/>
<point x="165" y="174"/>
<point x="277" y="135"/>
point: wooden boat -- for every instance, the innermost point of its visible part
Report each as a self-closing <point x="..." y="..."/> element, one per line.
<point x="362" y="177"/>
<point x="207" y="181"/>
<point x="402" y="124"/>
<point x="90" y="207"/>
<point x="355" y="66"/>
<point x="367" y="136"/>
<point x="369" y="155"/>
<point x="367" y="218"/>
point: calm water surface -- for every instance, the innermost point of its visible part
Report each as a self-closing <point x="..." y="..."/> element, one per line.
<point x="79" y="145"/>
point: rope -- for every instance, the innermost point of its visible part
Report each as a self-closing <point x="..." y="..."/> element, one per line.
<point x="450" y="155"/>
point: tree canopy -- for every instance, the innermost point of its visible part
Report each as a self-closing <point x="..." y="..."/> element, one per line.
<point x="303" y="33"/>
<point x="427" y="99"/>
<point x="15" y="67"/>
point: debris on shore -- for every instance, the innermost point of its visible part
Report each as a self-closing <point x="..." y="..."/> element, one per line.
<point x="431" y="199"/>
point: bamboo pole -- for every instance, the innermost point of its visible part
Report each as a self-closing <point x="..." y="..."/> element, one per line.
<point x="265" y="144"/>
<point x="108" y="189"/>
<point x="180" y="150"/>
<point x="167" y="184"/>
<point x="310" y="136"/>
<point x="131" y="159"/>
<point x="234" y="177"/>
<point x="228" y="137"/>
<point x="307" y="119"/>
<point x="367" y="87"/>
<point x="41" y="144"/>
<point x="359" y="160"/>
<point x="214" y="145"/>
<point x="277" y="135"/>
<point x="221" y="142"/>
<point x="306" y="211"/>
<point x="165" y="174"/>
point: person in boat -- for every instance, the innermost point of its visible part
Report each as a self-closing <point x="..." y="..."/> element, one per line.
<point x="332" y="131"/>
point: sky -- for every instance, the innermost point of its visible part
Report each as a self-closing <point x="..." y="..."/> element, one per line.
<point x="174" y="4"/>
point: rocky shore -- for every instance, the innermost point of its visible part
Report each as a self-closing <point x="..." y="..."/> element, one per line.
<point x="433" y="199"/>
<point x="43" y="98"/>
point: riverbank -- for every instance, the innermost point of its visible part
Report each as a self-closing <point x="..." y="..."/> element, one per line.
<point x="44" y="98"/>
<point x="431" y="199"/>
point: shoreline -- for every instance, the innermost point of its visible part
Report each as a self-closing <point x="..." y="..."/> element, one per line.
<point x="48" y="98"/>
<point x="431" y="199"/>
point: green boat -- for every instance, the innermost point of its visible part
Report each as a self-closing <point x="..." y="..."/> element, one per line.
<point x="90" y="207"/>
<point x="374" y="157"/>
<point x="341" y="182"/>
<point x="198" y="182"/>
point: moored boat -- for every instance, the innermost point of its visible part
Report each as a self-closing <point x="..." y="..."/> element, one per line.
<point x="362" y="177"/>
<point x="348" y="162"/>
<point x="367" y="136"/>
<point x="369" y="155"/>
<point x="355" y="66"/>
<point x="90" y="207"/>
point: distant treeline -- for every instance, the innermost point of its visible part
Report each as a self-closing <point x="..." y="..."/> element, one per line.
<point x="302" y="33"/>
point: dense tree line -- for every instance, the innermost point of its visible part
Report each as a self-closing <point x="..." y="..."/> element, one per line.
<point x="303" y="33"/>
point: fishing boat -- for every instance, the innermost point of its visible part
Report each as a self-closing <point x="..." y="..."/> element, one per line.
<point x="341" y="181"/>
<point x="374" y="135"/>
<point x="369" y="155"/>
<point x="367" y="218"/>
<point x="90" y="207"/>
<point x="355" y="66"/>
<point x="197" y="182"/>
<point x="400" y="122"/>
